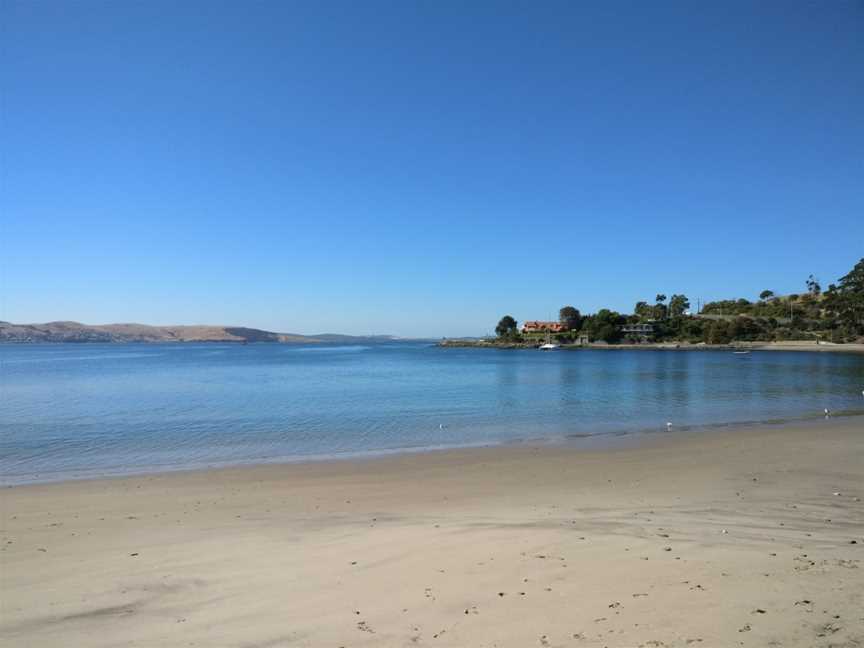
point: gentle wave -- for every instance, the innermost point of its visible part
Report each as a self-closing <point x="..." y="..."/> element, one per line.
<point x="121" y="409"/>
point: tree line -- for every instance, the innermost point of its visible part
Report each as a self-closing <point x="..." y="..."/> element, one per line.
<point x="835" y="315"/>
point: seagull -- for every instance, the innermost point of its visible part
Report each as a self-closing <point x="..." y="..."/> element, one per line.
<point x="668" y="424"/>
<point x="441" y="425"/>
<point x="827" y="412"/>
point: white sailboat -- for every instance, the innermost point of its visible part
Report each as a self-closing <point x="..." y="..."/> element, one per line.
<point x="549" y="345"/>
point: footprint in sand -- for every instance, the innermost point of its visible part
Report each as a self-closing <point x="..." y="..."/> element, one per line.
<point x="827" y="629"/>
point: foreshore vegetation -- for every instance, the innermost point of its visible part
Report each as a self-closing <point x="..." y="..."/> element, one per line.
<point x="835" y="315"/>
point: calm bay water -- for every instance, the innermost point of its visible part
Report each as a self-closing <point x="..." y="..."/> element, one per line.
<point x="90" y="410"/>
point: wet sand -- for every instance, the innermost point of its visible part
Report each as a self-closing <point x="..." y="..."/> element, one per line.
<point x="746" y="537"/>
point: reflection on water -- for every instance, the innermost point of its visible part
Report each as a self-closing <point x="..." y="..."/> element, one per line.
<point x="121" y="408"/>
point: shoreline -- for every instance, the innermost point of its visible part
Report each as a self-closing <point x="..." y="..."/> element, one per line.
<point x="634" y="438"/>
<point x="792" y="345"/>
<point x="806" y="346"/>
<point x="749" y="536"/>
<point x="576" y="444"/>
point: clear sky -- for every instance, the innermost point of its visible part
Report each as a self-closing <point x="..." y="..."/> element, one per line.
<point x="421" y="168"/>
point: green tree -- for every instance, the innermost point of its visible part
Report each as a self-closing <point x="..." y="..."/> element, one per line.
<point x="854" y="281"/>
<point x="693" y="329"/>
<point x="845" y="301"/>
<point x="570" y="317"/>
<point x="660" y="307"/>
<point x="766" y="294"/>
<point x="605" y="325"/>
<point x="643" y="310"/>
<point x="813" y="286"/>
<point x="718" y="332"/>
<point x="678" y="304"/>
<point x="507" y="327"/>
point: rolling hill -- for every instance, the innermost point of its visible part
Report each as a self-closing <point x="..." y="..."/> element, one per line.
<point x="108" y="333"/>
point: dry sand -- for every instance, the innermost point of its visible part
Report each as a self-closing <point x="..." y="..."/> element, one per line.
<point x="751" y="537"/>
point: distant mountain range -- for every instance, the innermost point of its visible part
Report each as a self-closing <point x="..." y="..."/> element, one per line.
<point x="77" y="332"/>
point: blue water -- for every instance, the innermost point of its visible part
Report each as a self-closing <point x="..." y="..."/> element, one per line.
<point x="88" y="410"/>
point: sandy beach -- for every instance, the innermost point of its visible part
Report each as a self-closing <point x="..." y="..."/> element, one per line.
<point x="740" y="537"/>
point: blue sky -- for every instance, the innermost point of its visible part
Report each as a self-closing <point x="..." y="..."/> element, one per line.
<point x="421" y="168"/>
